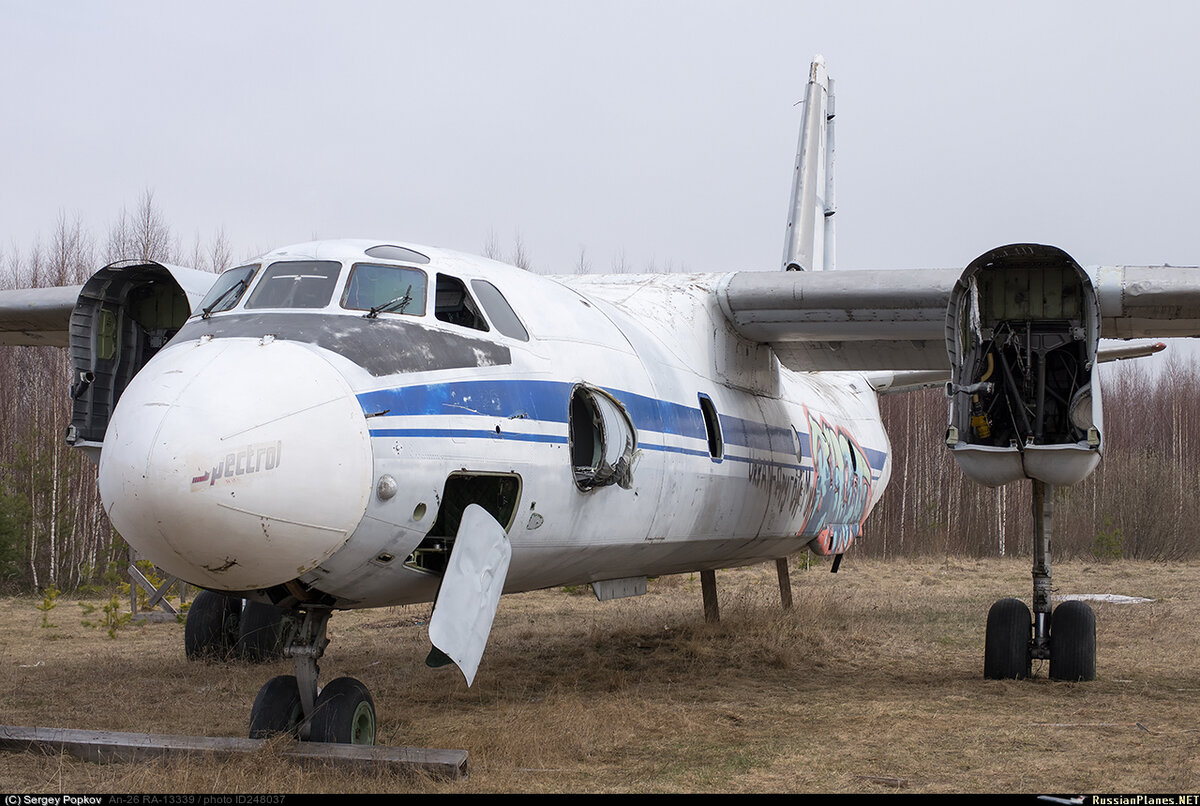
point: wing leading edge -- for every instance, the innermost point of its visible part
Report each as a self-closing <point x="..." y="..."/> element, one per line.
<point x="37" y="316"/>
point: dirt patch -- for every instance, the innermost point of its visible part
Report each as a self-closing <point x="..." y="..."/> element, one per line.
<point x="871" y="683"/>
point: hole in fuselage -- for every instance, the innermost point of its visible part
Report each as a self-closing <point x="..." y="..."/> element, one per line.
<point x="495" y="492"/>
<point x="712" y="428"/>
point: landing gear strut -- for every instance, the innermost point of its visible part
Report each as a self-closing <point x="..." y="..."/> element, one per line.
<point x="1066" y="636"/>
<point x="343" y="711"/>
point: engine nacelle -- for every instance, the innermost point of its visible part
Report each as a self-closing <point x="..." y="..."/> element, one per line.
<point x="1022" y="331"/>
<point x="124" y="314"/>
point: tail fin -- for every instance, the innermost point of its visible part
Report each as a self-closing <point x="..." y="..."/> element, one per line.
<point x="809" y="244"/>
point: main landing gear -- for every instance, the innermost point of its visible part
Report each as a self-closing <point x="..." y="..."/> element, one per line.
<point x="1015" y="637"/>
<point x="342" y="711"/>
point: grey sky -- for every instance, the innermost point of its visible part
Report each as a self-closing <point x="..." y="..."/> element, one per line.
<point x="663" y="131"/>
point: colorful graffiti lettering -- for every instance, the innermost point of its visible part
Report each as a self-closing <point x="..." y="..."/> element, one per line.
<point x="837" y="500"/>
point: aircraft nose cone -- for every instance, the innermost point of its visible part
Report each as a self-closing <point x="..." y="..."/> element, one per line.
<point x="236" y="464"/>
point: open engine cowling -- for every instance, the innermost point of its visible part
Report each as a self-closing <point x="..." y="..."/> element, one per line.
<point x="124" y="314"/>
<point x="1022" y="333"/>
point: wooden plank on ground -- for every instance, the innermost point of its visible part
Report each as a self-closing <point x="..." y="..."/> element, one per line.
<point x="101" y="747"/>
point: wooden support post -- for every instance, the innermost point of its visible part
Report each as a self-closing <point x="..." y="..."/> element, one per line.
<point x="708" y="586"/>
<point x="138" y="579"/>
<point x="133" y="588"/>
<point x="785" y="583"/>
<point x="156" y="594"/>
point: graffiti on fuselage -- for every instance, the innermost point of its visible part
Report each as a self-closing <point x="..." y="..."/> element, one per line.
<point x="837" y="498"/>
<point x="785" y="486"/>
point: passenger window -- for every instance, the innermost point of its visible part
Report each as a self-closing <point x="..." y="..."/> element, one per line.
<point x="298" y="284"/>
<point x="712" y="428"/>
<point x="454" y="305"/>
<point x="385" y="289"/>
<point x="499" y="311"/>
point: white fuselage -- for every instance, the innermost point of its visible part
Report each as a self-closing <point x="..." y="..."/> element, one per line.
<point x="310" y="450"/>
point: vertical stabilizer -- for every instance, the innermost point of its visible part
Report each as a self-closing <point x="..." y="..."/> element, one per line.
<point x="809" y="243"/>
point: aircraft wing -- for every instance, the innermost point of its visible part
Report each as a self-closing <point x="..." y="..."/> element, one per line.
<point x="43" y="316"/>
<point x="845" y="319"/>
<point x="37" y="316"/>
<point x="899" y="320"/>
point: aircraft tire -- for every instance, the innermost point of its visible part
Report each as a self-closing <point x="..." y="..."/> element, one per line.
<point x="277" y="708"/>
<point x="1006" y="642"/>
<point x="211" y="628"/>
<point x="345" y="714"/>
<point x="1073" y="642"/>
<point x="260" y="633"/>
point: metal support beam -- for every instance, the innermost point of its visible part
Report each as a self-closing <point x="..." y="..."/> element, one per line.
<point x="1043" y="515"/>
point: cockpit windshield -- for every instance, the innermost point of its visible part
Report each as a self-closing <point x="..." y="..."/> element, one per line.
<point x="227" y="290"/>
<point x="385" y="289"/>
<point x="296" y="284"/>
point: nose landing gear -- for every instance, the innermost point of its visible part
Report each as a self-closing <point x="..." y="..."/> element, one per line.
<point x="1065" y="636"/>
<point x="343" y="711"/>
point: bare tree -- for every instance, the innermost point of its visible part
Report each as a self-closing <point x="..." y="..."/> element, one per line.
<point x="220" y="256"/>
<point x="72" y="256"/>
<point x="620" y="264"/>
<point x="142" y="235"/>
<point x="520" y="255"/>
<point x="583" y="265"/>
<point x="491" y="247"/>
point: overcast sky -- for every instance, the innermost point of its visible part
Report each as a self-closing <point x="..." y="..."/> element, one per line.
<point x="661" y="131"/>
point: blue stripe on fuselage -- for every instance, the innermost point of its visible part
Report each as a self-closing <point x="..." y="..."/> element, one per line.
<point x="549" y="401"/>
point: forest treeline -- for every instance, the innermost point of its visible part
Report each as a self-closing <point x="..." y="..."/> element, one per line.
<point x="53" y="530"/>
<point x="1141" y="503"/>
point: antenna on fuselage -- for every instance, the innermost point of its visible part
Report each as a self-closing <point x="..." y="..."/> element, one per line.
<point x="809" y="242"/>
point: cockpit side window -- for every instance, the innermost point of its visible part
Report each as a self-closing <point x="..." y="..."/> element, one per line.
<point x="499" y="311"/>
<point x="296" y="284"/>
<point x="385" y="289"/>
<point x="453" y="304"/>
<point x="227" y="290"/>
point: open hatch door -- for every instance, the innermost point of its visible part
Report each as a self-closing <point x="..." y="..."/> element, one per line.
<point x="470" y="592"/>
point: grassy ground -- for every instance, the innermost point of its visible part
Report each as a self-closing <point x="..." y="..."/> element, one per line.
<point x="871" y="683"/>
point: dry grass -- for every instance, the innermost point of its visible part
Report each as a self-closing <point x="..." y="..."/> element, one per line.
<point x="873" y="682"/>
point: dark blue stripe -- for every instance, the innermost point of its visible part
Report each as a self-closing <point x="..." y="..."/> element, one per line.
<point x="549" y="401"/>
<point x="465" y="433"/>
<point x="674" y="449"/>
<point x="534" y="400"/>
<point x="468" y="433"/>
